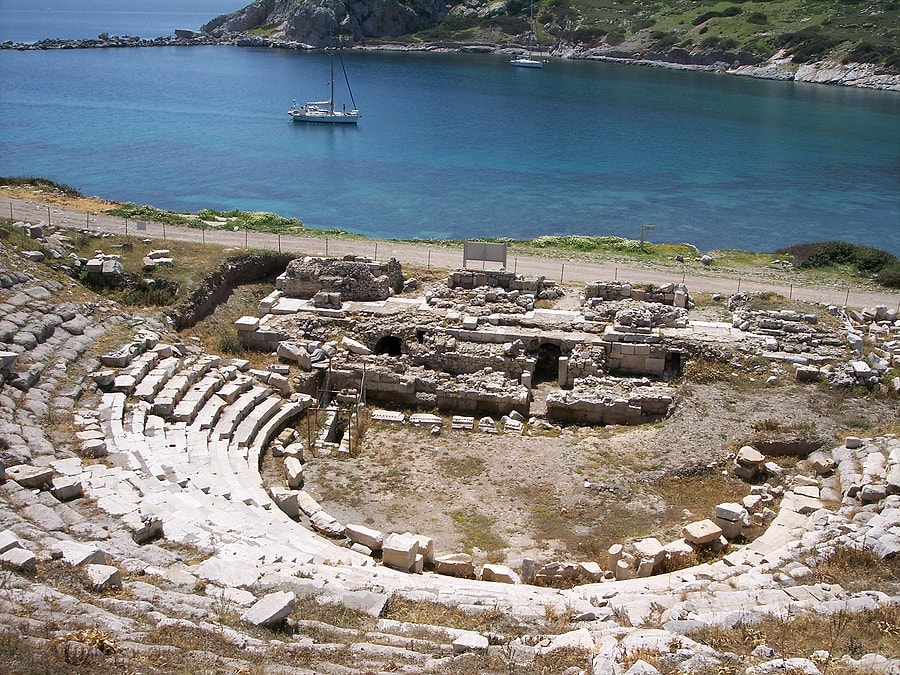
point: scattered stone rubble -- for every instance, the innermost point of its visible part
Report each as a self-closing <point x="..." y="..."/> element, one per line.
<point x="169" y="442"/>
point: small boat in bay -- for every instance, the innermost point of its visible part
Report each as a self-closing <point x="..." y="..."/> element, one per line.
<point x="324" y="112"/>
<point x="528" y="60"/>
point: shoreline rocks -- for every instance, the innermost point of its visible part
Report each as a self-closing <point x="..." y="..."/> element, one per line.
<point x="777" y="67"/>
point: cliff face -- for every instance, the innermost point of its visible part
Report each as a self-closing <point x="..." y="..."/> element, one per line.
<point x="320" y="22"/>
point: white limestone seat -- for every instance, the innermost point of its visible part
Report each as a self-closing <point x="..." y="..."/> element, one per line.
<point x="242" y="406"/>
<point x="194" y="399"/>
<point x="153" y="382"/>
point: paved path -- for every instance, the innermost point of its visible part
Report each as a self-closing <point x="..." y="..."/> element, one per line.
<point x="569" y="271"/>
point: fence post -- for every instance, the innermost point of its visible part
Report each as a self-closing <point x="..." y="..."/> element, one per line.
<point x="376" y="250"/>
<point x="562" y="272"/>
<point x="48" y="215"/>
<point x="326" y="247"/>
<point x="126" y="227"/>
<point x="429" y="260"/>
<point x="279" y="243"/>
<point x="739" y="285"/>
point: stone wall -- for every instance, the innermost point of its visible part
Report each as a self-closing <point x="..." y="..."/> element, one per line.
<point x="597" y="401"/>
<point x="354" y="279"/>
<point x="669" y="294"/>
<point x="393" y="380"/>
<point x="509" y="281"/>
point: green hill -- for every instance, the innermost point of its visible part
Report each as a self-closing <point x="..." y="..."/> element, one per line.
<point x="861" y="31"/>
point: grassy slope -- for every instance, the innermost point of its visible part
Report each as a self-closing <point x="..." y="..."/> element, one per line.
<point x="810" y="29"/>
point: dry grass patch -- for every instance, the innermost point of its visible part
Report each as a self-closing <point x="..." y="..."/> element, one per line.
<point x="859" y="569"/>
<point x="476" y="530"/>
<point x="490" y="620"/>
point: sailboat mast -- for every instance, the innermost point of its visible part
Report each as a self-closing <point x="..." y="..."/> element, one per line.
<point x="331" y="99"/>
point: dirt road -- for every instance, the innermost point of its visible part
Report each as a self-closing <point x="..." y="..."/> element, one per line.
<point x="696" y="278"/>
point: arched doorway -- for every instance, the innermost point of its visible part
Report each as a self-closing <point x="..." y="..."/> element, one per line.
<point x="546" y="367"/>
<point x="390" y="345"/>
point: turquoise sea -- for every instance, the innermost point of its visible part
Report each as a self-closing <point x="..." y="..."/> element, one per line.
<point x="449" y="145"/>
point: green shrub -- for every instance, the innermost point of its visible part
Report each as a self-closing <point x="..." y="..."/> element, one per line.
<point x="137" y="212"/>
<point x="615" y="39"/>
<point x="706" y="16"/>
<point x="865" y="260"/>
<point x="889" y="276"/>
<point x="758" y="19"/>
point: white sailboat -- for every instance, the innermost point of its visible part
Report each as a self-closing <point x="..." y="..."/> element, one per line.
<point x="324" y="112"/>
<point x="528" y="60"/>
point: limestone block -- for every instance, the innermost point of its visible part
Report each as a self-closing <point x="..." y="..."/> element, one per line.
<point x="426" y="547"/>
<point x="499" y="573"/>
<point x="823" y="466"/>
<point x="293" y="472"/>
<point x="650" y="549"/>
<point x="7" y="360"/>
<point x="644" y="568"/>
<point x="731" y="529"/>
<point x="66" y="488"/>
<point x="470" y="641"/>
<point x="9" y="540"/>
<point x="580" y="639"/>
<point x="271" y="609"/>
<point x="872" y="492"/>
<point x="372" y="539"/>
<point x="731" y="511"/>
<point x="307" y="504"/>
<point x="355" y="347"/>
<point x="455" y="565"/>
<point x="286" y="500"/>
<point x="103" y="577"/>
<point x="94" y="448"/>
<point x="143" y="527"/>
<point x="853" y="442"/>
<point x="701" y="532"/>
<point x="399" y="551"/>
<point x="326" y="524"/>
<point x="750" y="456"/>
<point x="76" y="553"/>
<point x="30" y="476"/>
<point x="887" y="546"/>
<point x="20" y="559"/>
<point x="281" y="383"/>
<point x="247" y="323"/>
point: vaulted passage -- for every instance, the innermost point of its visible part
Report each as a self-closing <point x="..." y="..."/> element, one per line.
<point x="546" y="369"/>
<point x="390" y="345"/>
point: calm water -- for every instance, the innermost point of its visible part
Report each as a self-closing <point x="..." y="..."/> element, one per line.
<point x="460" y="146"/>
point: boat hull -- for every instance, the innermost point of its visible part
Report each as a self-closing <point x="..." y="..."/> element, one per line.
<point x="525" y="62"/>
<point x="313" y="116"/>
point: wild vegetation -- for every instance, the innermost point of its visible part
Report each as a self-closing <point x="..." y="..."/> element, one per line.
<point x="845" y="30"/>
<point x="860" y="260"/>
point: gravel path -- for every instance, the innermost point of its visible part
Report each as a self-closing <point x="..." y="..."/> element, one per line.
<point x="568" y="271"/>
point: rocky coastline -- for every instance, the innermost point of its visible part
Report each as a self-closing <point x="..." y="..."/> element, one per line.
<point x="777" y="67"/>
